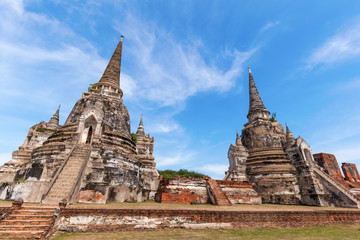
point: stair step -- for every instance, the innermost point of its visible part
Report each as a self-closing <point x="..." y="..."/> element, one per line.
<point x="25" y="222"/>
<point x="67" y="177"/>
<point x="29" y="217"/>
<point x="219" y="195"/>
<point x="24" y="227"/>
<point x="36" y="212"/>
<point x="21" y="235"/>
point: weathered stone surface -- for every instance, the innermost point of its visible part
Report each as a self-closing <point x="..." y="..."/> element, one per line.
<point x="237" y="156"/>
<point x="104" y="220"/>
<point x="311" y="189"/>
<point x="204" y="190"/>
<point x="92" y="157"/>
<point x="350" y="171"/>
<point x="239" y="192"/>
<point x="30" y="191"/>
<point x="183" y="191"/>
<point x="267" y="165"/>
<point x="330" y="165"/>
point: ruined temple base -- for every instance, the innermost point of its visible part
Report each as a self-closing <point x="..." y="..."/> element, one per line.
<point x="205" y="190"/>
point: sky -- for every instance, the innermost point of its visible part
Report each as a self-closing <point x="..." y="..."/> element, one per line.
<point x="184" y="67"/>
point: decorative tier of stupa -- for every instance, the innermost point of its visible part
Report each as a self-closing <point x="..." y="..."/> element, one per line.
<point x="281" y="168"/>
<point x="92" y="157"/>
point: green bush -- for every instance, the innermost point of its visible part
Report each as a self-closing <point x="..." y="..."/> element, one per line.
<point x="273" y="117"/>
<point x="181" y="173"/>
<point x="91" y="86"/>
<point x="134" y="137"/>
<point x="42" y="130"/>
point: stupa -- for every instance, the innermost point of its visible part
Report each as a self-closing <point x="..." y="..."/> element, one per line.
<point x="92" y="157"/>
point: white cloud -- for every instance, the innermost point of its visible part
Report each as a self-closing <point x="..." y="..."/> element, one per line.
<point x="170" y="70"/>
<point x="174" y="159"/>
<point x="128" y="85"/>
<point x="269" y="25"/>
<point x="344" y="45"/>
<point x="347" y="154"/>
<point x="216" y="171"/>
<point x="5" y="157"/>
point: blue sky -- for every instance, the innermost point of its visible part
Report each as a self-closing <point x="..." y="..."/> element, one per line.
<point x="184" y="67"/>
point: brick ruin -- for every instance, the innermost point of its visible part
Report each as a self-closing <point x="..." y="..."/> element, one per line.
<point x="91" y="158"/>
<point x="206" y="190"/>
<point x="351" y="181"/>
<point x="330" y="165"/>
<point x="351" y="173"/>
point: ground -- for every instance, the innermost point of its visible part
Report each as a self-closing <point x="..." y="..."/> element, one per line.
<point x="322" y="232"/>
<point x="156" y="205"/>
<point x="318" y="232"/>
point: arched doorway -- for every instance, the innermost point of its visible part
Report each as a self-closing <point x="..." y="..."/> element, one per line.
<point x="308" y="156"/>
<point x="89" y="130"/>
<point x="89" y="136"/>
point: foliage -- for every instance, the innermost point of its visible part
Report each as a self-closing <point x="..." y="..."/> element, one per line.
<point x="133" y="137"/>
<point x="90" y="87"/>
<point x="273" y="117"/>
<point x="42" y="130"/>
<point x="21" y="180"/>
<point x="181" y="173"/>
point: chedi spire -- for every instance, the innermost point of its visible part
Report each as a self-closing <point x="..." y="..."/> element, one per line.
<point x="256" y="106"/>
<point x="54" y="121"/>
<point x="109" y="83"/>
<point x="140" y="130"/>
<point x="290" y="140"/>
<point x="238" y="140"/>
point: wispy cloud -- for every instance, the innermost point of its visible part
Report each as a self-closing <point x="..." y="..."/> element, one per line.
<point x="169" y="70"/>
<point x="342" y="46"/>
<point x="174" y="159"/>
<point x="269" y="25"/>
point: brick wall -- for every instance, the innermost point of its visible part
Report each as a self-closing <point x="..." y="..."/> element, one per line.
<point x="182" y="191"/>
<point x="330" y="164"/>
<point x="4" y="210"/>
<point x="350" y="171"/>
<point x="235" y="184"/>
<point x="102" y="220"/>
<point x="193" y="190"/>
<point x="239" y="192"/>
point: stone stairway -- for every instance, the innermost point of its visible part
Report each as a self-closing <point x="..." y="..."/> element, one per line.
<point x="216" y="194"/>
<point x="28" y="223"/>
<point x="66" y="179"/>
<point x="339" y="186"/>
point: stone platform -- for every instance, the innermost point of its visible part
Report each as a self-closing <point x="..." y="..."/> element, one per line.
<point x="152" y="216"/>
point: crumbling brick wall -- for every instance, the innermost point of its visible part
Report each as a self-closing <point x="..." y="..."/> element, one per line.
<point x="330" y="165"/>
<point x="239" y="192"/>
<point x="104" y="220"/>
<point x="350" y="171"/>
<point x="182" y="191"/>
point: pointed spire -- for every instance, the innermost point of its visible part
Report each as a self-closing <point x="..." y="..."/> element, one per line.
<point x="290" y="140"/>
<point x="255" y="102"/>
<point x="238" y="140"/>
<point x="140" y="130"/>
<point x="54" y="121"/>
<point x="109" y="83"/>
<point x="112" y="71"/>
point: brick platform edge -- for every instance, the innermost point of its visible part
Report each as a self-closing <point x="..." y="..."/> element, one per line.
<point x="107" y="220"/>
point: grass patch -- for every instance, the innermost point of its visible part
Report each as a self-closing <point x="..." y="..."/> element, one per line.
<point x="319" y="232"/>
